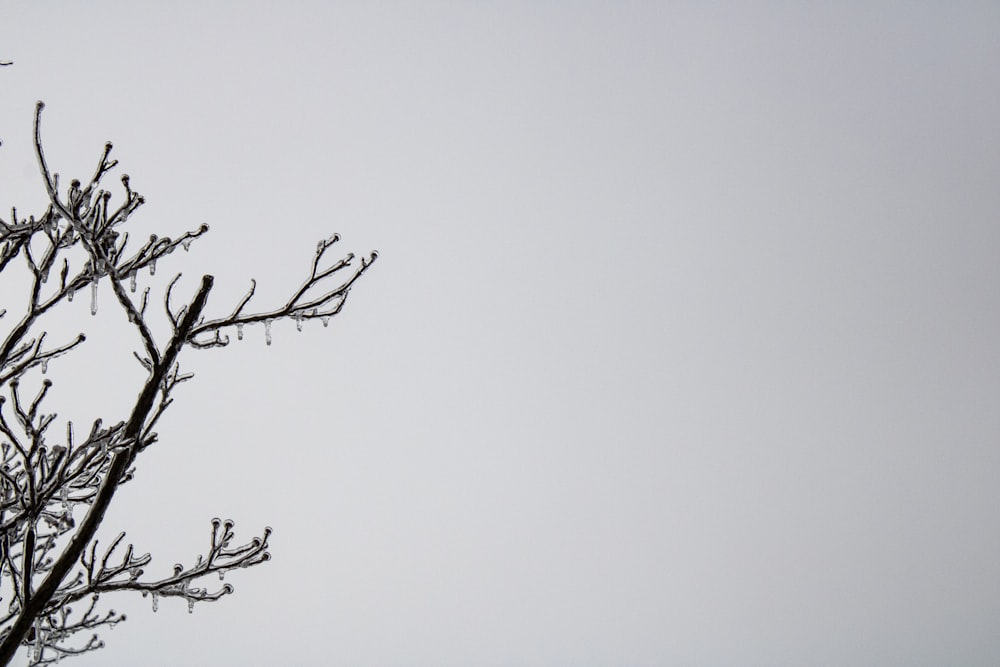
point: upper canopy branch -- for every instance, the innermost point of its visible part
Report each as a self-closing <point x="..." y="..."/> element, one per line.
<point x="299" y="306"/>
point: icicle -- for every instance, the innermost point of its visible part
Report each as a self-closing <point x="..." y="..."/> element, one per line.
<point x="190" y="606"/>
<point x="45" y="366"/>
<point x="222" y="575"/>
<point x="186" y="244"/>
<point x="267" y="331"/>
<point x="326" y="320"/>
<point x="69" y="295"/>
<point x="93" y="297"/>
<point x="131" y="281"/>
<point x="38" y="640"/>
<point x="239" y="331"/>
<point x="104" y="446"/>
<point x="298" y="323"/>
<point x="156" y="601"/>
<point x="152" y="267"/>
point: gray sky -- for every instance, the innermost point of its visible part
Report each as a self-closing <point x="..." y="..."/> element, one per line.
<point x="681" y="349"/>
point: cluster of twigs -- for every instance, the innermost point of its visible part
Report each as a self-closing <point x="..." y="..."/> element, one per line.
<point x="53" y="497"/>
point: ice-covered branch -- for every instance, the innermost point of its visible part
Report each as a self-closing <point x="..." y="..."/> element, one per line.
<point x="308" y="302"/>
<point x="103" y="574"/>
<point x="54" y="492"/>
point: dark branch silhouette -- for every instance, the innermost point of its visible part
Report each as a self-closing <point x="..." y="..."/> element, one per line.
<point x="55" y="489"/>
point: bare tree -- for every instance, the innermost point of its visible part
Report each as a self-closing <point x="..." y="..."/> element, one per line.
<point x="55" y="490"/>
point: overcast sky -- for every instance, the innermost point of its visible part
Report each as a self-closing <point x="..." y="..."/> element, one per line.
<point x="682" y="347"/>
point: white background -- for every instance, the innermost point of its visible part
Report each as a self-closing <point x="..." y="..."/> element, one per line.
<point x="681" y="348"/>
